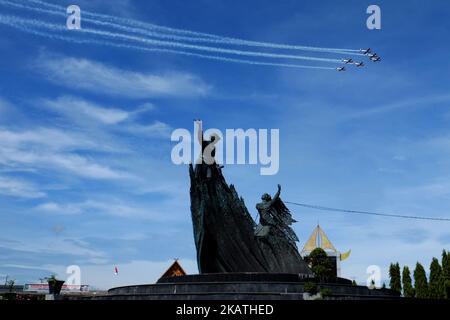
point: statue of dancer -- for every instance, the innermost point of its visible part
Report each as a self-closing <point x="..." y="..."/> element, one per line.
<point x="275" y="218"/>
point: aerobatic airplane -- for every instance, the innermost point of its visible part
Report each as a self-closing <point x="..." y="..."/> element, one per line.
<point x="347" y="61"/>
<point x="365" y="51"/>
<point x="375" y="59"/>
<point x="359" y="64"/>
<point x="340" y="69"/>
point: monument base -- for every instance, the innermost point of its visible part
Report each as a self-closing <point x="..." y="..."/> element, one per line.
<point x="242" y="286"/>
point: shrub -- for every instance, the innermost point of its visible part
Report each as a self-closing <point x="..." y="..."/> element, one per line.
<point x="310" y="287"/>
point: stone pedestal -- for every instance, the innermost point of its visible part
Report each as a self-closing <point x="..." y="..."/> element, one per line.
<point x="241" y="286"/>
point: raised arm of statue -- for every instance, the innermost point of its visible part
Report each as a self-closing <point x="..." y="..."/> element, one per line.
<point x="200" y="132"/>
<point x="276" y="196"/>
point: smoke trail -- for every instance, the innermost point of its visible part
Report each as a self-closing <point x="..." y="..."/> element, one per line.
<point x="114" y="25"/>
<point x="148" y="26"/>
<point x="144" y="28"/>
<point x="191" y="46"/>
<point x="206" y="48"/>
<point x="21" y="24"/>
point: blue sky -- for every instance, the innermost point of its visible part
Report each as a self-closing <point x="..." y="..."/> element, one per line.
<point x="85" y="170"/>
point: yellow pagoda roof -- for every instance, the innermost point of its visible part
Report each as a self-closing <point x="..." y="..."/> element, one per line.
<point x="318" y="239"/>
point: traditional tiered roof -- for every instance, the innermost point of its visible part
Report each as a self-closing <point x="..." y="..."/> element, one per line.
<point x="319" y="239"/>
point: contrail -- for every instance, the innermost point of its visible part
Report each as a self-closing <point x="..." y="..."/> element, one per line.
<point x="187" y="46"/>
<point x="148" y="26"/>
<point x="20" y="24"/>
<point x="141" y="31"/>
<point x="206" y="48"/>
<point x="114" y="25"/>
<point x="195" y="47"/>
<point x="147" y="29"/>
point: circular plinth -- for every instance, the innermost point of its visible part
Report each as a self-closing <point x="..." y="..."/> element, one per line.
<point x="241" y="286"/>
<point x="239" y="277"/>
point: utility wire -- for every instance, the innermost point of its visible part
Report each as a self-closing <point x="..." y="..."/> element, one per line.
<point x="310" y="206"/>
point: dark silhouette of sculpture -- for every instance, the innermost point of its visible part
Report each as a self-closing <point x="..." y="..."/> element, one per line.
<point x="208" y="150"/>
<point x="224" y="231"/>
<point x="275" y="218"/>
<point x="208" y="146"/>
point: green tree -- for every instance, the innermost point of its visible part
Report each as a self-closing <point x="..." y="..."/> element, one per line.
<point x="420" y="282"/>
<point x="408" y="290"/>
<point x="435" y="288"/>
<point x="320" y="264"/>
<point x="10" y="284"/>
<point x="445" y="281"/>
<point x="394" y="274"/>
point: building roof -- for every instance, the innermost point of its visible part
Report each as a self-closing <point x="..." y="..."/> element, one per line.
<point x="174" y="270"/>
<point x="318" y="239"/>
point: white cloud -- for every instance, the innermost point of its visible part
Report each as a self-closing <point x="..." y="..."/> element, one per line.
<point x="85" y="147"/>
<point x="99" y="78"/>
<point x="69" y="247"/>
<point x="19" y="188"/>
<point x="89" y="114"/>
<point x="48" y="149"/>
<point x="157" y="128"/>
<point x="59" y="209"/>
<point x="44" y="137"/>
<point x="50" y="160"/>
<point x="144" y="108"/>
<point x="20" y="266"/>
<point x="85" y="168"/>
<point x="113" y="208"/>
<point x="428" y="101"/>
<point x="82" y="109"/>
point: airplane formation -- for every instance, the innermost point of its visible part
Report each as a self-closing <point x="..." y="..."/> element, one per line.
<point x="141" y="36"/>
<point x="367" y="52"/>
